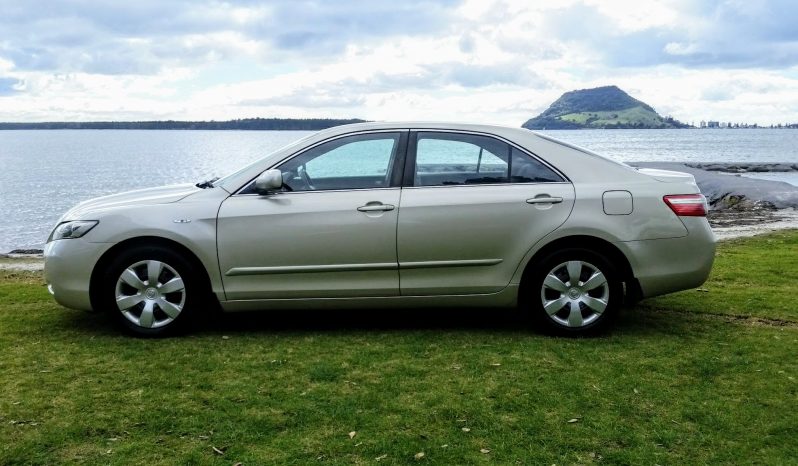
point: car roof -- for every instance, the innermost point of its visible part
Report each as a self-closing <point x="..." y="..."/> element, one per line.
<point x="379" y="125"/>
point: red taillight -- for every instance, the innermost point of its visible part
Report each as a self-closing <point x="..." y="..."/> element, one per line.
<point x="687" y="205"/>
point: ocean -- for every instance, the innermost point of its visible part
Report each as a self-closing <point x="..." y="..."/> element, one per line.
<point x="45" y="172"/>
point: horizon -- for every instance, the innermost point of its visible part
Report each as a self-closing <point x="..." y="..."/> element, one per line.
<point x="493" y="61"/>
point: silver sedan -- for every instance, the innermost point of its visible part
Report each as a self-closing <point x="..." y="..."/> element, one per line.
<point x="385" y="215"/>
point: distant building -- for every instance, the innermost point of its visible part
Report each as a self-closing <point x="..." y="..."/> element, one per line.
<point x="703" y="124"/>
<point x="713" y="124"/>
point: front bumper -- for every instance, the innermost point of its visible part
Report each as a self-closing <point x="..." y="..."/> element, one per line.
<point x="68" y="265"/>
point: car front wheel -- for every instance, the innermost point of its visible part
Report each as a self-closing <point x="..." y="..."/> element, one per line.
<point x="150" y="291"/>
<point x="574" y="292"/>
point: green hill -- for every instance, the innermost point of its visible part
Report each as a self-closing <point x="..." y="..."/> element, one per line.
<point x="602" y="107"/>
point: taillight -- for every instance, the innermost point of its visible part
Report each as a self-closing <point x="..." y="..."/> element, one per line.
<point x="687" y="205"/>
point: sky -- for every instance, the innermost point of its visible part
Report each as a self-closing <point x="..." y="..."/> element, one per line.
<point x="487" y="61"/>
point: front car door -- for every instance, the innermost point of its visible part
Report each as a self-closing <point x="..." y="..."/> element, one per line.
<point x="331" y="231"/>
<point x="472" y="206"/>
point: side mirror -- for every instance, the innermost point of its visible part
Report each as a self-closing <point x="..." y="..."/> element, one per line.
<point x="269" y="181"/>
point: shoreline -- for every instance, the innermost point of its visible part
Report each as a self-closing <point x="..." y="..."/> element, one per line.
<point x="740" y="167"/>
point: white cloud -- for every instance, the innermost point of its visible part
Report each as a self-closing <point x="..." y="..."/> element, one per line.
<point x="680" y="48"/>
<point x="500" y="61"/>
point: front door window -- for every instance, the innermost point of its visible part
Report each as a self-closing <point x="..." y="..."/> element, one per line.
<point x="352" y="162"/>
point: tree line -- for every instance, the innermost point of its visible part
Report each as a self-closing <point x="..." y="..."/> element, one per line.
<point x="254" y="124"/>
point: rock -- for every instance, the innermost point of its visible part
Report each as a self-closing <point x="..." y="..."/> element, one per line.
<point x="743" y="167"/>
<point x="26" y="251"/>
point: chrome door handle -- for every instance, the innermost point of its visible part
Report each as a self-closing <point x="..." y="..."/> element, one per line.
<point x="544" y="200"/>
<point x="375" y="208"/>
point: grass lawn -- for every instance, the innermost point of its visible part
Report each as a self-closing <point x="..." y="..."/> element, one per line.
<point x="696" y="377"/>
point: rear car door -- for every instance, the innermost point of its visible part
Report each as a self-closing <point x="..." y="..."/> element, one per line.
<point x="471" y="207"/>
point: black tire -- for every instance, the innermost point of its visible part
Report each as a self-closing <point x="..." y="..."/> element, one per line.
<point x="164" y="321"/>
<point x="566" y="320"/>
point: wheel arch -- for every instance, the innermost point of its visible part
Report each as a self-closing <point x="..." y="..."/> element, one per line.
<point x="105" y="260"/>
<point x="592" y="243"/>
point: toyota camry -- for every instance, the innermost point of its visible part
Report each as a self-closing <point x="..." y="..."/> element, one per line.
<point x="390" y="215"/>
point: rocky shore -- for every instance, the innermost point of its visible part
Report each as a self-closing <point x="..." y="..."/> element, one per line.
<point x="745" y="167"/>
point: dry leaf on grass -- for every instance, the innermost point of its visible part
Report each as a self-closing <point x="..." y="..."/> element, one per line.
<point x="484" y="451"/>
<point x="219" y="451"/>
<point x="419" y="455"/>
<point x="466" y="429"/>
<point x="352" y="434"/>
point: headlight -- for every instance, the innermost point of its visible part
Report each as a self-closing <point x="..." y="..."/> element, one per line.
<point x="70" y="230"/>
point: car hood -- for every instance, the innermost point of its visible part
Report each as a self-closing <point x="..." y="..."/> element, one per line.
<point x="159" y="195"/>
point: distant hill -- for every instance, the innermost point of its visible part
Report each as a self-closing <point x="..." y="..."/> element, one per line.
<point x="601" y="107"/>
<point x="307" y="124"/>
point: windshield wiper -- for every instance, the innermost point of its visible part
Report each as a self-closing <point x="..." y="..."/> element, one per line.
<point x="207" y="183"/>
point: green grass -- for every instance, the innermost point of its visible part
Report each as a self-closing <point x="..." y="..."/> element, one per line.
<point x="624" y="117"/>
<point x="683" y="380"/>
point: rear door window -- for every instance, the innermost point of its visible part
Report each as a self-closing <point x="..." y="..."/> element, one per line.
<point x="450" y="159"/>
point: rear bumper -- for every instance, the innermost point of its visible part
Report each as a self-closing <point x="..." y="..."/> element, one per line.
<point x="68" y="266"/>
<point x="666" y="265"/>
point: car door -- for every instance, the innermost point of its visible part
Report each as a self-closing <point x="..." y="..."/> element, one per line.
<point x="331" y="230"/>
<point x="471" y="208"/>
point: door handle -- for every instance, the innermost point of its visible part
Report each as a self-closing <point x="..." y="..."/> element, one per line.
<point x="375" y="207"/>
<point x="544" y="200"/>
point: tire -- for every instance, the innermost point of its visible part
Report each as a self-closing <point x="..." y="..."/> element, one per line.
<point x="168" y="308"/>
<point x="560" y="307"/>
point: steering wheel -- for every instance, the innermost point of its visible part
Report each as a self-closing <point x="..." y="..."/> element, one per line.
<point x="303" y="173"/>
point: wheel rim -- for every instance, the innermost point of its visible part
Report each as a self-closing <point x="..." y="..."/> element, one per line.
<point x="575" y="293"/>
<point x="150" y="294"/>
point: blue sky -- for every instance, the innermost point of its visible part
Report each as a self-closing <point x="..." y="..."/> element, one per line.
<point x="489" y="61"/>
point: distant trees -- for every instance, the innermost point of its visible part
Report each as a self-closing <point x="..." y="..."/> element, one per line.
<point x="255" y="124"/>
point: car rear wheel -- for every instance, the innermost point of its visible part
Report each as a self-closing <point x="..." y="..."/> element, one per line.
<point x="151" y="291"/>
<point x="574" y="292"/>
